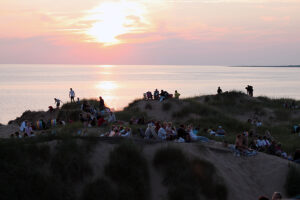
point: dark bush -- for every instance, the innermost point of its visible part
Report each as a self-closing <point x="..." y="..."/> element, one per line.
<point x="166" y="106"/>
<point x="186" y="179"/>
<point x="292" y="183"/>
<point x="148" y="106"/>
<point x="129" y="171"/>
<point x="70" y="162"/>
<point x="99" y="189"/>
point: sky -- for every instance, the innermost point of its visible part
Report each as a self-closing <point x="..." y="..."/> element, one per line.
<point x="175" y="32"/>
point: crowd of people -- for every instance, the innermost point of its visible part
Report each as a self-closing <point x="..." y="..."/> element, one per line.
<point x="117" y="131"/>
<point x="99" y="115"/>
<point x="162" y="95"/>
<point x="166" y="131"/>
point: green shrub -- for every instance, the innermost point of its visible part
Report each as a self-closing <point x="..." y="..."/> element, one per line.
<point x="129" y="170"/>
<point x="99" y="189"/>
<point x="166" y="106"/>
<point x="292" y="183"/>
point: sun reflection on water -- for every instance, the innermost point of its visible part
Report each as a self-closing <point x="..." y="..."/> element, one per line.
<point x="107" y="85"/>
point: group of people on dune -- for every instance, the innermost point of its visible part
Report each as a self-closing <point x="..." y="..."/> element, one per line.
<point x="166" y="131"/>
<point x="162" y="95"/>
<point x="28" y="129"/>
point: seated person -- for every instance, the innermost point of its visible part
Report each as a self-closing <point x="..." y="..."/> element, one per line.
<point x="239" y="143"/>
<point x="220" y="131"/>
<point x="195" y="137"/>
<point x="181" y="133"/>
<point x="126" y="133"/>
<point x="162" y="133"/>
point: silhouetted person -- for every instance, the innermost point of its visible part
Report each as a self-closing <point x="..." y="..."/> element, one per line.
<point x="219" y="90"/>
<point x="101" y="103"/>
<point x="57" y="102"/>
<point x="249" y="89"/>
<point x="72" y="95"/>
<point x="156" y="94"/>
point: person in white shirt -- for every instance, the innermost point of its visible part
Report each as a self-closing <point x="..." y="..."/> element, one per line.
<point x="162" y="133"/>
<point x="72" y="95"/>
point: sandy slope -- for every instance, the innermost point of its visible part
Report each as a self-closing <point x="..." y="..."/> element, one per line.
<point x="245" y="177"/>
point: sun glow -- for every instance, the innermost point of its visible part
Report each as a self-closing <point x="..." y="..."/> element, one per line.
<point x="107" y="85"/>
<point x="113" y="19"/>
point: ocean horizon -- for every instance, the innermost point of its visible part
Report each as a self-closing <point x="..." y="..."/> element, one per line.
<point x="34" y="86"/>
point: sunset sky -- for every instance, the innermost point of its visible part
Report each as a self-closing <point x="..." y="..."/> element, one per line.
<point x="201" y="32"/>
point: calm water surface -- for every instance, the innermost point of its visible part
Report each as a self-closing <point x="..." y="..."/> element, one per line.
<point x="33" y="87"/>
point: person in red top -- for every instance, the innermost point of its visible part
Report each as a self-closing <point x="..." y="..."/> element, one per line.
<point x="101" y="120"/>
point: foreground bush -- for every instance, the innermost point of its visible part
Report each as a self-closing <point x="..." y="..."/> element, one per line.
<point x="30" y="170"/>
<point x="99" y="189"/>
<point x="128" y="169"/>
<point x="187" y="179"/>
<point x="292" y="184"/>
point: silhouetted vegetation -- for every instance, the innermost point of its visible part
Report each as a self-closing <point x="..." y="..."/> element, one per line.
<point x="187" y="179"/>
<point x="128" y="169"/>
<point x="292" y="183"/>
<point x="99" y="189"/>
<point x="166" y="106"/>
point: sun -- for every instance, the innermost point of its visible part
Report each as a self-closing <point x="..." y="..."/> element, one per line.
<point x="113" y="19"/>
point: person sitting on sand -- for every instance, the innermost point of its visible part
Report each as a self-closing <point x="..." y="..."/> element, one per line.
<point x="162" y="133"/>
<point x="50" y="109"/>
<point x="220" y="131"/>
<point x="100" y="121"/>
<point x="181" y="133"/>
<point x="72" y="95"/>
<point x="23" y="126"/>
<point x="258" y="123"/>
<point x="57" y="102"/>
<point x="28" y="129"/>
<point x="211" y="131"/>
<point x="176" y="95"/>
<point x="18" y="135"/>
<point x="126" y="133"/>
<point x="162" y="96"/>
<point x="266" y="141"/>
<point x="219" y="91"/>
<point x="194" y="137"/>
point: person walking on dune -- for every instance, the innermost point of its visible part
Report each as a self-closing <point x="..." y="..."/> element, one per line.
<point x="57" y="102"/>
<point x="72" y="95"/>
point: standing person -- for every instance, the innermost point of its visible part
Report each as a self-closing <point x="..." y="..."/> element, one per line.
<point x="57" y="102"/>
<point x="176" y="95"/>
<point x="248" y="89"/>
<point x="156" y="94"/>
<point x="28" y="129"/>
<point x="101" y="103"/>
<point x="219" y="90"/>
<point x="72" y="95"/>
<point x="251" y="90"/>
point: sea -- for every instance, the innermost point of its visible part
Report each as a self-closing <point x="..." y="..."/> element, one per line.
<point x="34" y="86"/>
